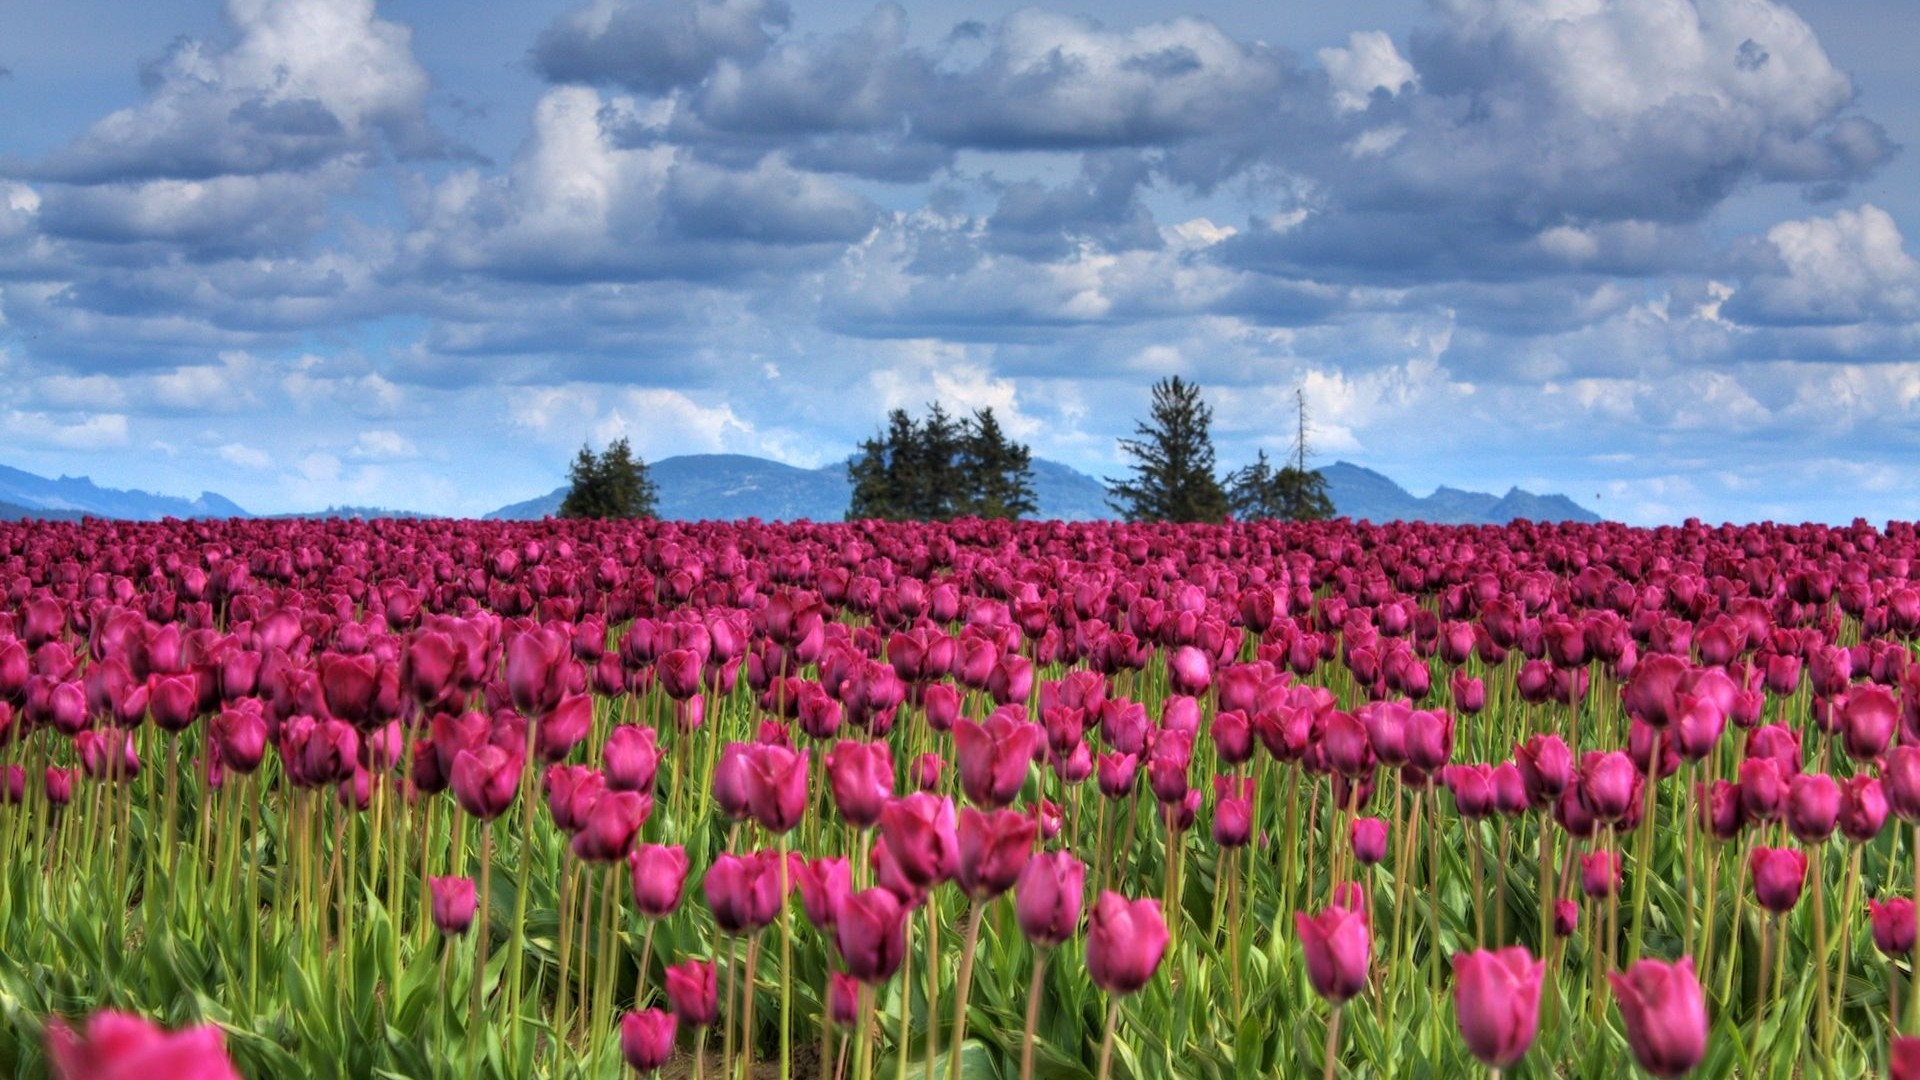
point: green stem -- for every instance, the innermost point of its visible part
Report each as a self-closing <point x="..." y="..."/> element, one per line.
<point x="961" y="992"/>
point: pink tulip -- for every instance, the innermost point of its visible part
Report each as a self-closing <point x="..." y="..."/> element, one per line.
<point x="1338" y="950"/>
<point x="1496" y="998"/>
<point x="1125" y="942"/>
<point x="1665" y="1014"/>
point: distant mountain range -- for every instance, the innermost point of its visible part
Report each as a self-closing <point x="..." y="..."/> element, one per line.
<point x="76" y="496"/>
<point x="1364" y="495"/>
<point x="730" y="487"/>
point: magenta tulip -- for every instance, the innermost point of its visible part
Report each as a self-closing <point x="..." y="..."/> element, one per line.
<point x="871" y="934"/>
<point x="659" y="873"/>
<point x="1048" y="897"/>
<point x="646" y="1038"/>
<point x="1496" y="998"/>
<point x="692" y="991"/>
<point x="1125" y="941"/>
<point x="453" y="903"/>
<point x="1338" y="949"/>
<point x="1778" y="876"/>
<point x="1665" y="1013"/>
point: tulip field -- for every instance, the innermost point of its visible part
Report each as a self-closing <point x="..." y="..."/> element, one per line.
<point x="979" y="800"/>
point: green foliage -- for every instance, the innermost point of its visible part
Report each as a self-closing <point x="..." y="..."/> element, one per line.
<point x="939" y="468"/>
<point x="1173" y="477"/>
<point x="616" y="484"/>
<point x="1259" y="492"/>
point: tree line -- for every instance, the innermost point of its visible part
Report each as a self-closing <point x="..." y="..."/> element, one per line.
<point x="938" y="467"/>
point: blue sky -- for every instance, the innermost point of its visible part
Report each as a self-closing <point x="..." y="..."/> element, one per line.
<point x="1654" y="254"/>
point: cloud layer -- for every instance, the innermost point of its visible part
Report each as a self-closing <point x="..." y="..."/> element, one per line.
<point x="1491" y="246"/>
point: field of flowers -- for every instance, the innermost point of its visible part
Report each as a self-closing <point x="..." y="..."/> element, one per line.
<point x="980" y="800"/>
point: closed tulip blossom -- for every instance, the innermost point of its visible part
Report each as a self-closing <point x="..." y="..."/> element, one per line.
<point x="743" y="891"/>
<point x="659" y="873"/>
<point x="776" y="786"/>
<point x="692" y="991"/>
<point x="121" y="1046"/>
<point x="994" y="757"/>
<point x="843" y="999"/>
<point x="1048" y="897"/>
<point x="485" y="781"/>
<point x="632" y="758"/>
<point x="646" y="1038"/>
<point x="918" y="832"/>
<point x="1863" y="808"/>
<point x="823" y="884"/>
<point x="871" y="934"/>
<point x="1599" y="874"/>
<point x="926" y="771"/>
<point x="1608" y="781"/>
<point x="453" y="903"/>
<point x="1894" y="927"/>
<point x="1125" y="942"/>
<point x="1496" y="999"/>
<point x="1338" y="949"/>
<point x="1665" y="1014"/>
<point x="1778" y="876"/>
<point x="610" y="827"/>
<point x="1814" y="802"/>
<point x="994" y="848"/>
<point x="1566" y="918"/>
<point x="1369" y="837"/>
<point x="860" y="776"/>
<point x="1232" y="821"/>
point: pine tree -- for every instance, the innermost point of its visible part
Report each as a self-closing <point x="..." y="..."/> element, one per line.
<point x="999" y="472"/>
<point x="616" y="484"/>
<point x="1173" y="478"/>
<point x="1294" y="492"/>
<point x="939" y="468"/>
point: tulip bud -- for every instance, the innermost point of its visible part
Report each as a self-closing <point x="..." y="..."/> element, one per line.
<point x="1665" y="1014"/>
<point x="659" y="873"/>
<point x="994" y="848"/>
<point x="1813" y="807"/>
<point x="1125" y="942"/>
<point x="1369" y="836"/>
<point x="1338" y="951"/>
<point x="646" y="1038"/>
<point x="1048" y="896"/>
<point x="871" y="934"/>
<point x="453" y="904"/>
<point x="1778" y="876"/>
<point x="1894" y="928"/>
<point x="1566" y="918"/>
<point x="120" y="1045"/>
<point x="693" y="993"/>
<point x="1599" y="874"/>
<point x="1496" y="998"/>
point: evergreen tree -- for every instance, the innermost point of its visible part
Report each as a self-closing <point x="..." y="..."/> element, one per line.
<point x="1259" y="492"/>
<point x="616" y="484"/>
<point x="1000" y="472"/>
<point x="939" y="468"/>
<point x="1173" y="478"/>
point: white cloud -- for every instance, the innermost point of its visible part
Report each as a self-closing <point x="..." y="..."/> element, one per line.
<point x="1848" y="268"/>
<point x="32" y="430"/>
<point x="1369" y="62"/>
<point x="245" y="457"/>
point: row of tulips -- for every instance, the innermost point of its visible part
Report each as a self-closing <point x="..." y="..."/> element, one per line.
<point x="1638" y="782"/>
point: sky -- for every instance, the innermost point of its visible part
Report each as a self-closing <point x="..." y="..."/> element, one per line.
<point x="1651" y="254"/>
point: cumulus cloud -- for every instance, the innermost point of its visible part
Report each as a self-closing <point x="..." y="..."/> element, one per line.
<point x="577" y="206"/>
<point x="300" y="83"/>
<point x="1851" y="267"/>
